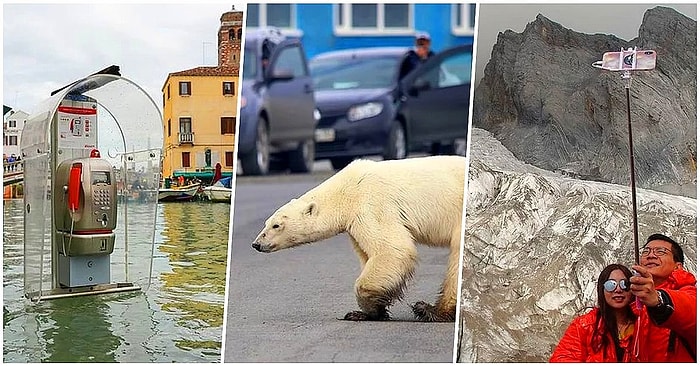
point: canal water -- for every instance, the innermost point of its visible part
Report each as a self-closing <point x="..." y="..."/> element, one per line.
<point x="179" y="318"/>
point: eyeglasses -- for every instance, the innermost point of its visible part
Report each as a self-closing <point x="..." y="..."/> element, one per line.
<point x="658" y="251"/>
<point x="610" y="285"/>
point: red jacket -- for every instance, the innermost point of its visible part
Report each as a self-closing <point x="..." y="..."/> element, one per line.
<point x="575" y="345"/>
<point x="653" y="339"/>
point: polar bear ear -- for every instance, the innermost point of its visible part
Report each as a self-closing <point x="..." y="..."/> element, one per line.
<point x="311" y="209"/>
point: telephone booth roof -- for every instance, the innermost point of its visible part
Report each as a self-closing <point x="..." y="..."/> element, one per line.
<point x="135" y="112"/>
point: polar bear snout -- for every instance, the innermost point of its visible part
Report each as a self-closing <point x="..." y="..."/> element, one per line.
<point x="263" y="248"/>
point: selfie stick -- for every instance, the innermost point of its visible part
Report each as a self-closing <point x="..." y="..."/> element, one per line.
<point x="627" y="62"/>
<point x="627" y="76"/>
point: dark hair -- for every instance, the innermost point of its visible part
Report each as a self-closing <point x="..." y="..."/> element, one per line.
<point x="605" y="314"/>
<point x="675" y="248"/>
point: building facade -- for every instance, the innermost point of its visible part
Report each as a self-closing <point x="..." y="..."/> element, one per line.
<point x="200" y="109"/>
<point x="12" y="132"/>
<point x="327" y="27"/>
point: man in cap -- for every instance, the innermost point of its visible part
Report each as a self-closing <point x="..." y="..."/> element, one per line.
<point x="419" y="54"/>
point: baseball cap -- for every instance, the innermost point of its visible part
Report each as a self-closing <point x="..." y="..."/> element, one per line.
<point x="423" y="35"/>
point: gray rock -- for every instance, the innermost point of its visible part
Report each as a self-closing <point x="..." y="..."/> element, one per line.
<point x="544" y="101"/>
<point x="535" y="242"/>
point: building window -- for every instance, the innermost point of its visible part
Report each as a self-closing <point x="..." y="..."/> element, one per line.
<point x="186" y="159"/>
<point x="229" y="158"/>
<point x="168" y="91"/>
<point x="463" y="19"/>
<point x="13" y="123"/>
<point x="374" y="18"/>
<point x="186" y="135"/>
<point x="12" y="140"/>
<point x="228" y="125"/>
<point x="185" y="125"/>
<point x="270" y="15"/>
<point x="228" y="87"/>
<point x="185" y="88"/>
<point x="231" y="35"/>
<point x="170" y="130"/>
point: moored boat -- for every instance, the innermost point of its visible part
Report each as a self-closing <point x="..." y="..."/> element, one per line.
<point x="219" y="191"/>
<point x="183" y="193"/>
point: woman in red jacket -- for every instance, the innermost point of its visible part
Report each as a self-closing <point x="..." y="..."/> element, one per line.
<point x="604" y="334"/>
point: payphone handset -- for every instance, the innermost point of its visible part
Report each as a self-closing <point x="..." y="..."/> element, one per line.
<point x="89" y="196"/>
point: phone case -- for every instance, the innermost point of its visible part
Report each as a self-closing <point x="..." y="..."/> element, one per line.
<point x="629" y="60"/>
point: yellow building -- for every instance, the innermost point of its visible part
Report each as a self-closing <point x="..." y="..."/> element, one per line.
<point x="200" y="109"/>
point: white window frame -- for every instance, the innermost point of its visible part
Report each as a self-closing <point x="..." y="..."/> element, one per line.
<point x="462" y="29"/>
<point x="287" y="31"/>
<point x="343" y="27"/>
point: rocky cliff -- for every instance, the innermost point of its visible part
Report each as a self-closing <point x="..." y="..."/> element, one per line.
<point x="544" y="101"/>
<point x="535" y="243"/>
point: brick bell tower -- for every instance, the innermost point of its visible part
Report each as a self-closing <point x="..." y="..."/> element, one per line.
<point x="230" y="36"/>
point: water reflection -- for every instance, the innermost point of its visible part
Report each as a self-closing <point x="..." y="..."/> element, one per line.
<point x="197" y="252"/>
<point x="178" y="319"/>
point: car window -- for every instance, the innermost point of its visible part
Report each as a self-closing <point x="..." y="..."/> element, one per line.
<point x="249" y="64"/>
<point x="354" y="73"/>
<point x="453" y="70"/>
<point x="291" y="59"/>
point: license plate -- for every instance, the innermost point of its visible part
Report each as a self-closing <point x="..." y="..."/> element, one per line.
<point x="324" y="134"/>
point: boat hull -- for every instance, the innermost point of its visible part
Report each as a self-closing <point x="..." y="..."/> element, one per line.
<point x="217" y="194"/>
<point x="179" y="194"/>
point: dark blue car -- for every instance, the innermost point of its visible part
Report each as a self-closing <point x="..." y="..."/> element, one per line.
<point x="366" y="110"/>
<point x="277" y="115"/>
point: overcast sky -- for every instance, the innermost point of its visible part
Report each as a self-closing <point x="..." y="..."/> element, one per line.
<point x="622" y="20"/>
<point x="47" y="46"/>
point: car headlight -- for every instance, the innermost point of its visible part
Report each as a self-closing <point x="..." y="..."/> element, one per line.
<point x="317" y="114"/>
<point x="363" y="111"/>
<point x="244" y="101"/>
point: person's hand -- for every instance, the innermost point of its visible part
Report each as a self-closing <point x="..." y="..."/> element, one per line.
<point x="642" y="286"/>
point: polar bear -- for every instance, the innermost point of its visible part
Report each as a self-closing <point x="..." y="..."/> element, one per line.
<point x="385" y="207"/>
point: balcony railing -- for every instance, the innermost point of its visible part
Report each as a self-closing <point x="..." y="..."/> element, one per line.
<point x="186" y="138"/>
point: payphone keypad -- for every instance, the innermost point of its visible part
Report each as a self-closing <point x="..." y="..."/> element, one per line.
<point x="101" y="200"/>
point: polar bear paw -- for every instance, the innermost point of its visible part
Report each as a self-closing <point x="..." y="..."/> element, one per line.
<point x="361" y="316"/>
<point x="429" y="313"/>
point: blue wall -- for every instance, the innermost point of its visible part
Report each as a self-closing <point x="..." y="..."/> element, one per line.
<point x="316" y="23"/>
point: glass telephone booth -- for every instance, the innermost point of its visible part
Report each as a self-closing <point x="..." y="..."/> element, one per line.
<point x="92" y="160"/>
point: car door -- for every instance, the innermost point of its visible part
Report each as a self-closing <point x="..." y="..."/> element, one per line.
<point x="290" y="105"/>
<point x="435" y="97"/>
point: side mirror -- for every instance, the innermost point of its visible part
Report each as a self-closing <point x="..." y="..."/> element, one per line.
<point x="281" y="74"/>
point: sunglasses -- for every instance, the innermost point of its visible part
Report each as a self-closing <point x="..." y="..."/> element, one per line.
<point x="610" y="285"/>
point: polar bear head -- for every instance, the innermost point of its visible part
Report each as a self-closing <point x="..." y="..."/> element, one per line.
<point x="297" y="222"/>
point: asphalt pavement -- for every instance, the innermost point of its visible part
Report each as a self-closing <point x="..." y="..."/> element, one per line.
<point x="285" y="306"/>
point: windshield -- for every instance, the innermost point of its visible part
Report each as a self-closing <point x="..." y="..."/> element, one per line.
<point x="249" y="64"/>
<point x="354" y="73"/>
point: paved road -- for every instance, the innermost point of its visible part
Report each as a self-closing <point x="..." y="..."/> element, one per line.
<point x="284" y="306"/>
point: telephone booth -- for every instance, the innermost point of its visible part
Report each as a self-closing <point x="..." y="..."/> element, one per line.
<point x="92" y="162"/>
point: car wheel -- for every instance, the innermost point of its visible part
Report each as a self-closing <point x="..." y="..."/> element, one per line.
<point x="302" y="159"/>
<point x="396" y="145"/>
<point x="257" y="162"/>
<point x="340" y="163"/>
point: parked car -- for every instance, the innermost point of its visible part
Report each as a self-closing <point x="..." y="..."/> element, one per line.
<point x="366" y="110"/>
<point x="277" y="115"/>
